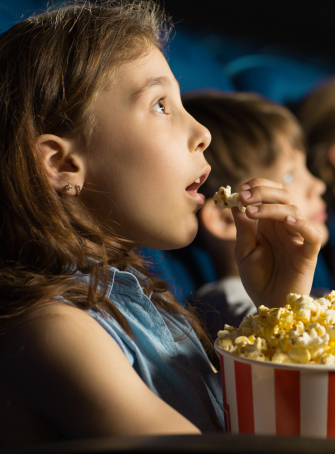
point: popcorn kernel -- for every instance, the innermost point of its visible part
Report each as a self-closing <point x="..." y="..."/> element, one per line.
<point x="302" y="332"/>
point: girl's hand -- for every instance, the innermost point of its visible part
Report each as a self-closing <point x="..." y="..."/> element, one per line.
<point x="276" y="250"/>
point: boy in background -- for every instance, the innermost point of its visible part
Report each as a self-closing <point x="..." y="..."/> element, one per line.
<point x="252" y="137"/>
<point x="316" y="114"/>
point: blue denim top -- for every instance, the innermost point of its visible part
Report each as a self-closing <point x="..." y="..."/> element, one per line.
<point x="179" y="372"/>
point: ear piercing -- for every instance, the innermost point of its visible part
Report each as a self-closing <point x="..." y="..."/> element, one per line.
<point x="68" y="187"/>
<point x="78" y="190"/>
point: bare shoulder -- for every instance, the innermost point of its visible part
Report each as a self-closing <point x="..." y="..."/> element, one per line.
<point x="66" y="367"/>
<point x="56" y="338"/>
<point x="60" y="339"/>
<point x="51" y="314"/>
<point x="50" y="326"/>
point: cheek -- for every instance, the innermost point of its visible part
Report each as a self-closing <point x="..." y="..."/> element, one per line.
<point x="298" y="197"/>
<point x="323" y="229"/>
<point x="302" y="204"/>
<point x="157" y="163"/>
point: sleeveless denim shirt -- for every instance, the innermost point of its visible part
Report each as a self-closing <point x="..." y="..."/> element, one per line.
<point x="179" y="372"/>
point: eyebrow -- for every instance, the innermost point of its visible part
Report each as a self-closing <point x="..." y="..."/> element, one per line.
<point x="153" y="81"/>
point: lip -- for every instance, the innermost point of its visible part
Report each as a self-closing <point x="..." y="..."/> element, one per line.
<point x="192" y="189"/>
<point x="320" y="216"/>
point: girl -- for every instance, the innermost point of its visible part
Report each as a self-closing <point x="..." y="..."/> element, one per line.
<point x="98" y="157"/>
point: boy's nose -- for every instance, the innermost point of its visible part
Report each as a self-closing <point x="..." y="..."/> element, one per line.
<point x="319" y="185"/>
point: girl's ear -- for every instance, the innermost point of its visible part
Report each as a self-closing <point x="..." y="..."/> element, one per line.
<point x="62" y="162"/>
<point x="219" y="223"/>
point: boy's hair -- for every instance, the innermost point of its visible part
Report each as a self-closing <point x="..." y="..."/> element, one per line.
<point x="316" y="113"/>
<point x="246" y="130"/>
<point x="51" y="68"/>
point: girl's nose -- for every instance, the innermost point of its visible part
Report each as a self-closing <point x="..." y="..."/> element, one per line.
<point x="200" y="137"/>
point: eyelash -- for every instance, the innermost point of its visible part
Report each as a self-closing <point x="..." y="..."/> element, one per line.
<point x="161" y="102"/>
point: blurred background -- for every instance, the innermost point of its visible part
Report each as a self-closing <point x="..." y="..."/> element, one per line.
<point x="281" y="49"/>
<point x="278" y="48"/>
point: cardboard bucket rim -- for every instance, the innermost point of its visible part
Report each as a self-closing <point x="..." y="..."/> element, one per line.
<point x="295" y="366"/>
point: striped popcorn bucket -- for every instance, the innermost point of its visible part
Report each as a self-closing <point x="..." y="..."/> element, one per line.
<point x="266" y="398"/>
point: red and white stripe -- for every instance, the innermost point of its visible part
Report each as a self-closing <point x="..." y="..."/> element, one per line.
<point x="259" y="399"/>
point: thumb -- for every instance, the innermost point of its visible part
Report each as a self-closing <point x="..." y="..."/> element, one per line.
<point x="246" y="234"/>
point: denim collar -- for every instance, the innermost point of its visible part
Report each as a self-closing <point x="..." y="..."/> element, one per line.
<point x="122" y="282"/>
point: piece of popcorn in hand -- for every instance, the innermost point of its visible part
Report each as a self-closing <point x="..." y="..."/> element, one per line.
<point x="225" y="199"/>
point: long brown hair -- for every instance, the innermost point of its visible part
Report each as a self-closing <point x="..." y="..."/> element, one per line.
<point x="51" y="67"/>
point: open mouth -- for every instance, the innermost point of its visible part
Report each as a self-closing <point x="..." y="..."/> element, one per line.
<point x="192" y="189"/>
<point x="194" y="186"/>
<point x="198" y="182"/>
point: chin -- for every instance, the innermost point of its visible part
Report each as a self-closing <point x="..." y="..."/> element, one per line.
<point x="167" y="242"/>
<point x="324" y="234"/>
<point x="176" y="243"/>
<point x="172" y="236"/>
<point x="180" y="240"/>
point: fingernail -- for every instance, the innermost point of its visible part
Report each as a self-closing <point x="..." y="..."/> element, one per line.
<point x="245" y="186"/>
<point x="252" y="209"/>
<point x="291" y="219"/>
<point x="245" y="194"/>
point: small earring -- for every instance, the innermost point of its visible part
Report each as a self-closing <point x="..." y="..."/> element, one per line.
<point x="78" y="190"/>
<point x="68" y="187"/>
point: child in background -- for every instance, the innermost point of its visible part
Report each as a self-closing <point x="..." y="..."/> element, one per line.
<point x="316" y="113"/>
<point x="251" y="137"/>
<point x="98" y="157"/>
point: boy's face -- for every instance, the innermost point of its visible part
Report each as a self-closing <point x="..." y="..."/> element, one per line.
<point x="306" y="190"/>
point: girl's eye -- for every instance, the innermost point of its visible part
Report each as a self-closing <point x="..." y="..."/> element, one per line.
<point x="159" y="106"/>
<point x="288" y="177"/>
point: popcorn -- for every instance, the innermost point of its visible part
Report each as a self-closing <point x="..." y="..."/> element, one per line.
<point x="301" y="332"/>
<point x="225" y="199"/>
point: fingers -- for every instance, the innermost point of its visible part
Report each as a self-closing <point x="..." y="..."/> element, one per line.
<point x="273" y="211"/>
<point x="260" y="182"/>
<point x="246" y="234"/>
<point x="268" y="199"/>
<point x="312" y="237"/>
<point x="263" y="191"/>
<point x="294" y="223"/>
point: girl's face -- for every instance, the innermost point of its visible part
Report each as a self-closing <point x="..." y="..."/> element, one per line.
<point x="145" y="159"/>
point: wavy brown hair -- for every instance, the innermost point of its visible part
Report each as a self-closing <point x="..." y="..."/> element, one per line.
<point x="52" y="65"/>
